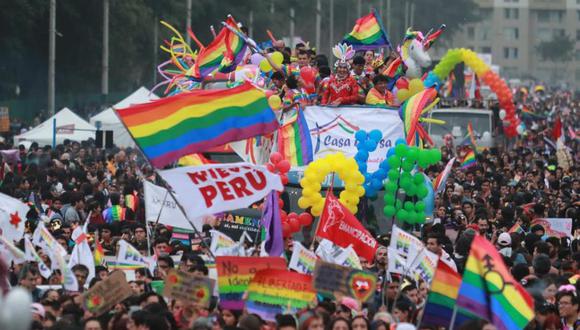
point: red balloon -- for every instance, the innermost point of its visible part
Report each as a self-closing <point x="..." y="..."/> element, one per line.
<point x="294" y="224"/>
<point x="276" y="157"/>
<point x="305" y="219"/>
<point x="283" y="216"/>
<point x="284" y="179"/>
<point x="280" y="202"/>
<point x="283" y="166"/>
<point x="308" y="75"/>
<point x="292" y="215"/>
<point x="271" y="168"/>
<point x="286" y="230"/>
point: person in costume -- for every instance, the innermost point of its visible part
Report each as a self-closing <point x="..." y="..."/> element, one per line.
<point x="361" y="76"/>
<point x="342" y="87"/>
<point x="379" y="95"/>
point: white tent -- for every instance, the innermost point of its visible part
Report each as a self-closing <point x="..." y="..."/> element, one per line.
<point x="68" y="126"/>
<point x="110" y="122"/>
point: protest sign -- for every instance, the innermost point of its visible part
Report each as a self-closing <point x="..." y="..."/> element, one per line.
<point x="330" y="279"/>
<point x="302" y="260"/>
<point x="188" y="287"/>
<point x="403" y="242"/>
<point x="107" y="293"/>
<point x="235" y="225"/>
<point x="279" y="291"/>
<point x="214" y="188"/>
<point x="424" y="264"/>
<point x="397" y="263"/>
<point x="348" y="258"/>
<point x="556" y="227"/>
<point x="235" y="273"/>
<point x="160" y="206"/>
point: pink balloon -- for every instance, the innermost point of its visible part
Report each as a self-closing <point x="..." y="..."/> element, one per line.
<point x="256" y="58"/>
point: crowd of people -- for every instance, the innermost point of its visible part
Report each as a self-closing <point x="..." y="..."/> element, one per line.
<point x="509" y="188"/>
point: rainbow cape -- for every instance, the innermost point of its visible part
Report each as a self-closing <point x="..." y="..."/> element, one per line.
<point x="374" y="97"/>
<point x="224" y="53"/>
<point x="442" y="298"/>
<point x="294" y="140"/>
<point x="175" y="126"/>
<point x="489" y="290"/>
<point x="368" y="33"/>
<point x="469" y="160"/>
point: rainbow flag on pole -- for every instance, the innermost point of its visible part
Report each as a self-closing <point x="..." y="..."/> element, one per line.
<point x="368" y="33"/>
<point x="469" y="160"/>
<point x="294" y="141"/>
<point x="175" y="126"/>
<point x="489" y="290"/>
<point x="442" y="298"/>
<point x="99" y="253"/>
<point x="223" y="53"/>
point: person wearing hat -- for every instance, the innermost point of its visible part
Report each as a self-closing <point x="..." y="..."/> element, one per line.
<point x="342" y="88"/>
<point x="504" y="244"/>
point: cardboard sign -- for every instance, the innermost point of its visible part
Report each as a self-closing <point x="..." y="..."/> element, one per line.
<point x="106" y="294"/>
<point x="303" y="260"/>
<point x="235" y="225"/>
<point x="279" y="291"/>
<point x="187" y="287"/>
<point x="331" y="279"/>
<point x="235" y="274"/>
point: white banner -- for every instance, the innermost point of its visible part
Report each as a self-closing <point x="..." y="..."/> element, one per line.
<point x="405" y="244"/>
<point x="214" y="188"/>
<point x="397" y="263"/>
<point x="558" y="227"/>
<point x="332" y="130"/>
<point x="158" y="200"/>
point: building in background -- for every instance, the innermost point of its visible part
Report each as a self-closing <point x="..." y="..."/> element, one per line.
<point x="511" y="31"/>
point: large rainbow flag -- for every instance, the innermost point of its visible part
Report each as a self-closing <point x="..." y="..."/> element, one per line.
<point x="294" y="141"/>
<point x="175" y="126"/>
<point x="368" y="33"/>
<point x="489" y="290"/>
<point x="223" y="53"/>
<point x="441" y="300"/>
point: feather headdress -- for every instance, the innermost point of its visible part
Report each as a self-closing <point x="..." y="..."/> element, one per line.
<point x="344" y="53"/>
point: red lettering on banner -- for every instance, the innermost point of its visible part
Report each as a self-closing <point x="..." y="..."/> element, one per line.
<point x="234" y="169"/>
<point x="225" y="190"/>
<point x="223" y="173"/>
<point x="239" y="186"/>
<point x="259" y="183"/>
<point x="198" y="177"/>
<point x="208" y="193"/>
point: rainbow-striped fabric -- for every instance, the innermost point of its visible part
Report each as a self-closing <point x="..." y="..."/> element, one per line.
<point x="294" y="140"/>
<point x="469" y="160"/>
<point x="114" y="213"/>
<point x="489" y="290"/>
<point x="368" y="33"/>
<point x="193" y="122"/>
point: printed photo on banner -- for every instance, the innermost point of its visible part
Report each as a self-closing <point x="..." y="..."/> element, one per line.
<point x="331" y="279"/>
<point x="555" y="227"/>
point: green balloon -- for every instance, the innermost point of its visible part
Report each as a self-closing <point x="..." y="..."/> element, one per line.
<point x="394" y="162"/>
<point x="401" y="150"/>
<point x="411" y="190"/>
<point x="389" y="210"/>
<point x="398" y="204"/>
<point x="412" y="217"/>
<point x="407" y="176"/>
<point x="391" y="187"/>
<point x="412" y="154"/>
<point x="408" y="165"/>
<point x="409" y="206"/>
<point x="420" y="206"/>
<point x="421" y="217"/>
<point x="422" y="192"/>
<point x="389" y="199"/>
<point x="402" y="215"/>
<point x="418" y="178"/>
<point x="437" y="155"/>
<point x="393" y="174"/>
<point x="404" y="183"/>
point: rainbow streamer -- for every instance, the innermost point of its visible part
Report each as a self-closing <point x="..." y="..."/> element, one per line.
<point x="411" y="111"/>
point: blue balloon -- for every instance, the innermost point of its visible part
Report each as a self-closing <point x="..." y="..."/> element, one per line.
<point x="360" y="135"/>
<point x="362" y="168"/>
<point x="429" y="200"/>
<point x="390" y="152"/>
<point x="400" y="141"/>
<point x="376" y="135"/>
<point x="361" y="156"/>
<point x="376" y="184"/>
<point x="370" y="145"/>
<point x="368" y="177"/>
<point x="380" y="174"/>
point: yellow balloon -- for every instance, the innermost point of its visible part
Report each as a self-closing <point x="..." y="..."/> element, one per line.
<point x="275" y="102"/>
<point x="303" y="203"/>
<point x="277" y="58"/>
<point x="265" y="65"/>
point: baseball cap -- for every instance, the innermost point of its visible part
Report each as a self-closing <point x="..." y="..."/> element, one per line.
<point x="504" y="239"/>
<point x="38" y="309"/>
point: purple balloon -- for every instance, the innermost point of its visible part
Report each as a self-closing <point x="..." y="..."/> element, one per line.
<point x="256" y="58"/>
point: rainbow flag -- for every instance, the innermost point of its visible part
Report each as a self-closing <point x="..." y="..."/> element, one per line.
<point x="99" y="254"/>
<point x="374" y="97"/>
<point x="489" y="290"/>
<point x="175" y="126"/>
<point x="440" y="181"/>
<point x="442" y="298"/>
<point x="516" y="228"/>
<point x="469" y="160"/>
<point x="193" y="160"/>
<point x="116" y="265"/>
<point x="368" y="33"/>
<point x="294" y="140"/>
<point x="223" y="53"/>
<point x="114" y="213"/>
<point x="471" y="134"/>
<point x="132" y="201"/>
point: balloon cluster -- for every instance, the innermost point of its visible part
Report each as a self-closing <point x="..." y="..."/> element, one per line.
<point x="413" y="87"/>
<point x="484" y="72"/>
<point x="292" y="222"/>
<point x="402" y="160"/>
<point x="314" y="175"/>
<point x="367" y="143"/>
<point x="265" y="66"/>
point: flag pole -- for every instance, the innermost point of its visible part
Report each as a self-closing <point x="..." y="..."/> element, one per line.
<point x="156" y="223"/>
<point x="407" y="269"/>
<point x="168" y="189"/>
<point x="453" y="317"/>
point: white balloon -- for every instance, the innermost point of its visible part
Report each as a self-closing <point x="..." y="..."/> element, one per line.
<point x="15" y="313"/>
<point x="502" y="114"/>
<point x="520" y="129"/>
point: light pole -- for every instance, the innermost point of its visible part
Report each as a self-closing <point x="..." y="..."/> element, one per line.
<point x="51" y="55"/>
<point x="105" y="69"/>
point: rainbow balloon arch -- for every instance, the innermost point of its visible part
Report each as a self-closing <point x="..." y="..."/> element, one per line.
<point x="484" y="72"/>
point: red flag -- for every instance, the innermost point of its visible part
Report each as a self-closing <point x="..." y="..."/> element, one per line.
<point x="340" y="226"/>
<point x="557" y="130"/>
